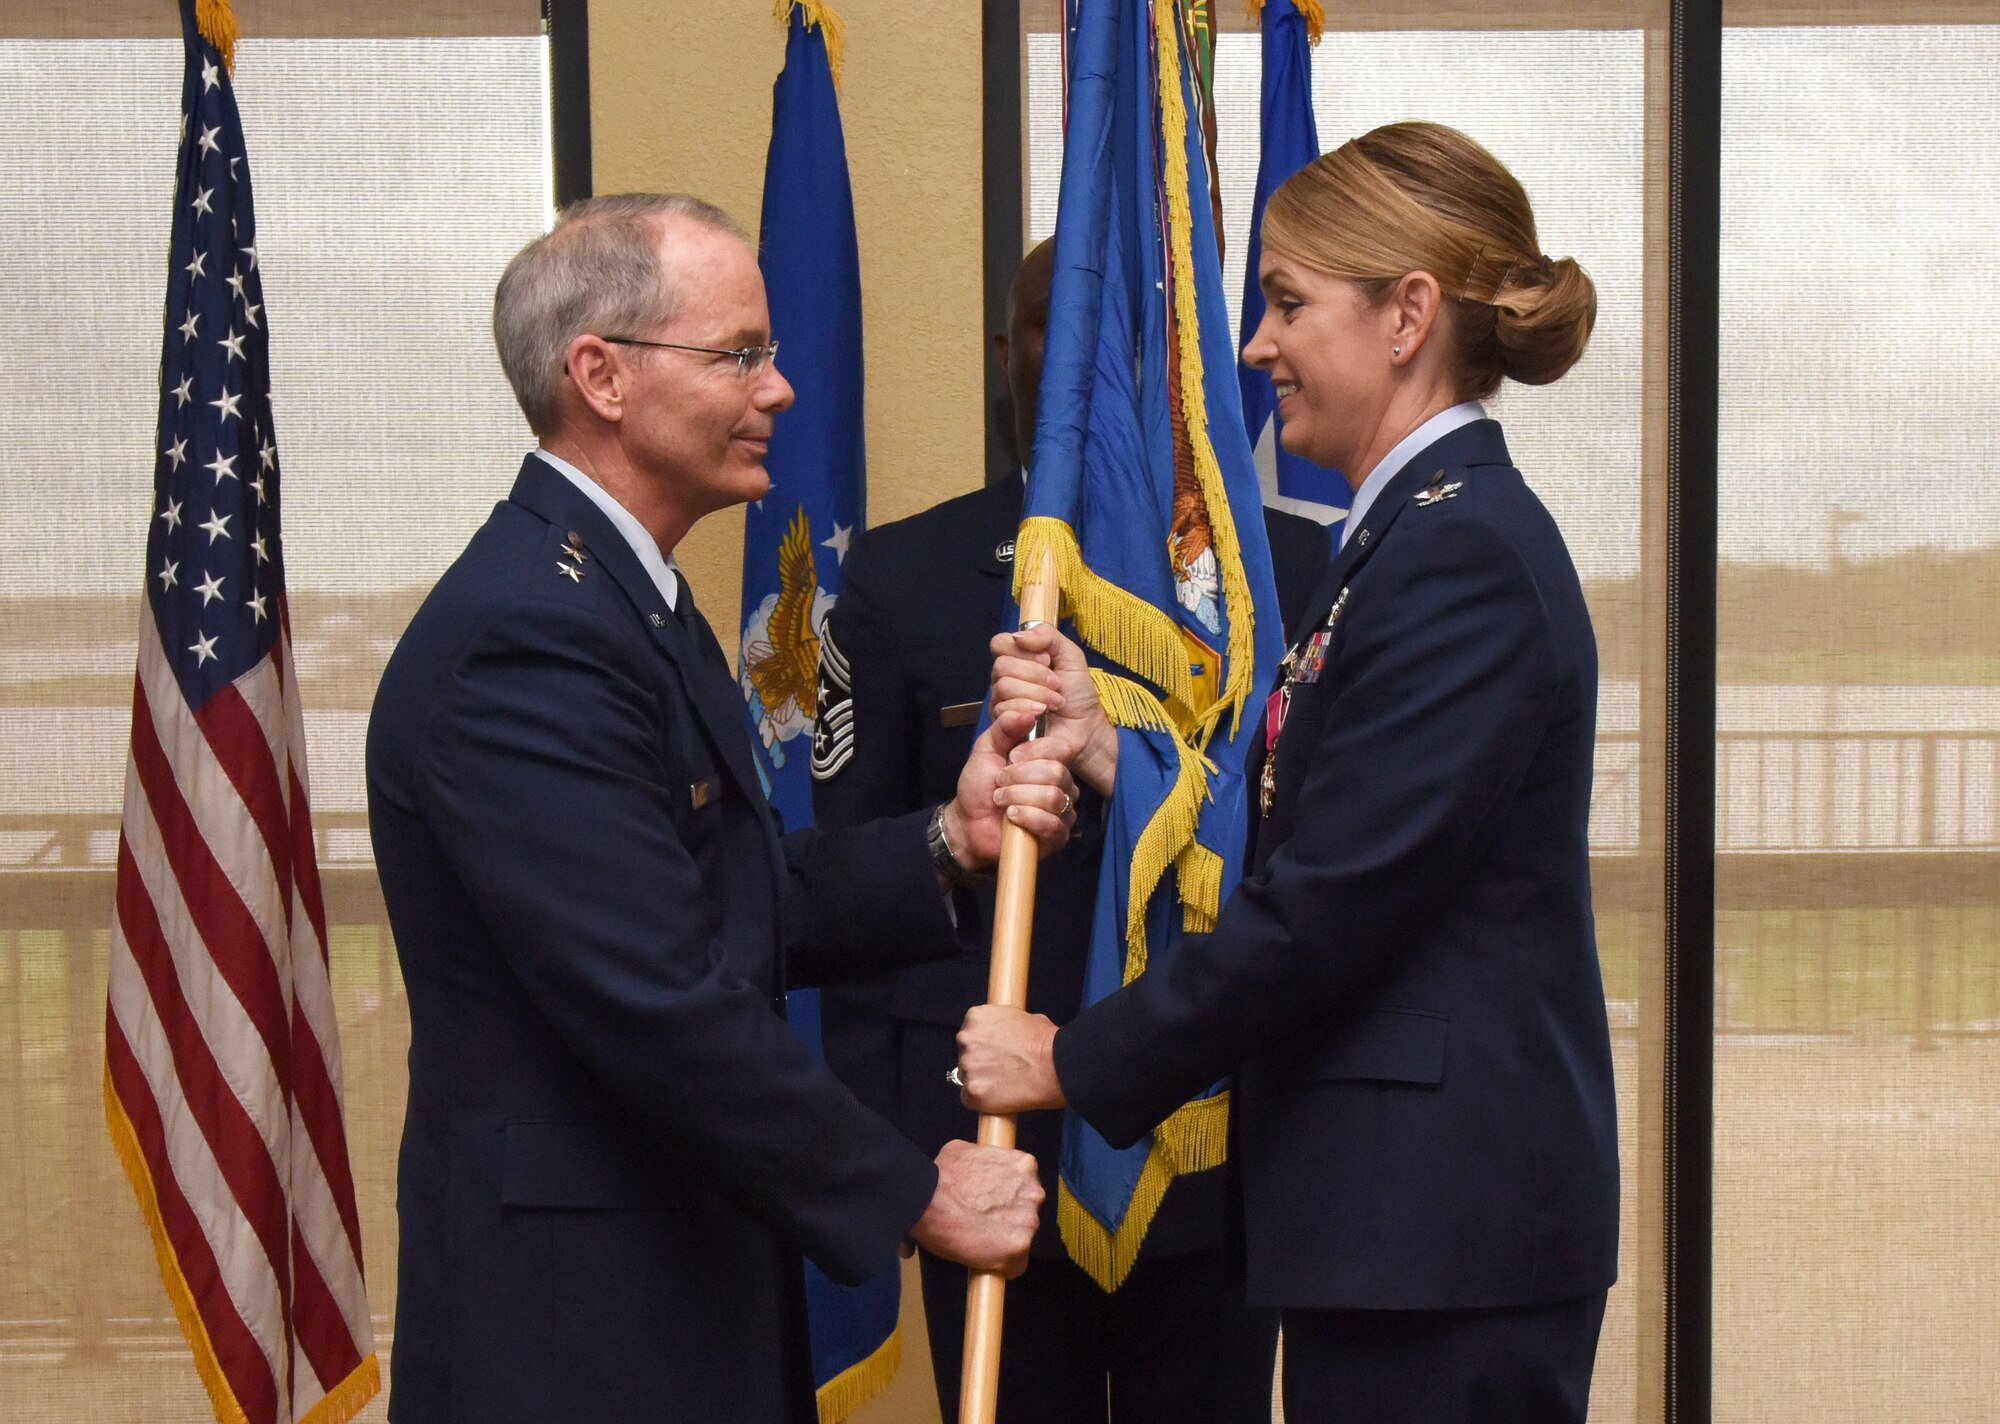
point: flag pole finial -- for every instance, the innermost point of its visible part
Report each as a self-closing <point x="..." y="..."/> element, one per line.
<point x="832" y="28"/>
<point x="216" y="20"/>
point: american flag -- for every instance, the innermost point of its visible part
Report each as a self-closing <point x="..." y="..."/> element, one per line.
<point x="222" y="1056"/>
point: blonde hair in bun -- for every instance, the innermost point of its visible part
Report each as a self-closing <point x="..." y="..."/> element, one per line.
<point x="1424" y="197"/>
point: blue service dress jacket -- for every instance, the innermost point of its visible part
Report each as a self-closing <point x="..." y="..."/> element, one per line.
<point x="616" y="1151"/>
<point x="1405" y="983"/>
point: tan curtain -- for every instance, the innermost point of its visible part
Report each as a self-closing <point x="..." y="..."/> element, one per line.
<point x="394" y="177"/>
<point x="1857" y="996"/>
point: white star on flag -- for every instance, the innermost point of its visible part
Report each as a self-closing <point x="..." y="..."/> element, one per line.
<point x="209" y="74"/>
<point x="209" y="588"/>
<point x="203" y="648"/>
<point x="235" y="280"/>
<point x="181" y="391"/>
<point x="224" y="467"/>
<point x="267" y="455"/>
<point x="194" y="268"/>
<point x="207" y="143"/>
<point x="188" y="326"/>
<point x="256" y="607"/>
<point x="172" y="513"/>
<point x="217" y="526"/>
<point x="257" y="547"/>
<point x="843" y="535"/>
<point x="233" y="344"/>
<point x="228" y="405"/>
<point x="168" y="575"/>
<point x="250" y="310"/>
<point x="202" y="205"/>
<point x="177" y="452"/>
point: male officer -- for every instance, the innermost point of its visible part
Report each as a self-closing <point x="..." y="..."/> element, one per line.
<point x="904" y="669"/>
<point x="616" y="1151"/>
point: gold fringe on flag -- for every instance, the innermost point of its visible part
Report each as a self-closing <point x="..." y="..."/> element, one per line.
<point x="217" y="23"/>
<point x="1310" y="11"/>
<point x="861" y="1381"/>
<point x="337" y="1406"/>
<point x="1194" y="1139"/>
<point x="832" y="29"/>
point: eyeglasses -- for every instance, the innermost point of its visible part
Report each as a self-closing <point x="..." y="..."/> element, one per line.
<point x="749" y="359"/>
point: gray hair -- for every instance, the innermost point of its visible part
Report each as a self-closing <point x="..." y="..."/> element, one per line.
<point x="598" y="270"/>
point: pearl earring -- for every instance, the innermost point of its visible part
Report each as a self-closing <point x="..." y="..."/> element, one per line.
<point x="1395" y="350"/>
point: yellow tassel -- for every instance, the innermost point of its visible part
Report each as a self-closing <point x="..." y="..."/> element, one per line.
<point x="832" y="29"/>
<point x="1309" y="10"/>
<point x="217" y="23"/>
<point x="1112" y="620"/>
<point x="344" y="1400"/>
<point x="861" y="1381"/>
<point x="1199" y="871"/>
<point x="1194" y="399"/>
<point x="126" y="1141"/>
<point x="1194" y="1139"/>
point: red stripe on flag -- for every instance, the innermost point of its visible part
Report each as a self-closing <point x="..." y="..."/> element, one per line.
<point x="237" y="1353"/>
<point x="305" y="862"/>
<point x="319" y="1110"/>
<point x="319" y="1104"/>
<point x="322" y="1329"/>
<point x="237" y="738"/>
<point x="226" y="1125"/>
<point x="228" y="930"/>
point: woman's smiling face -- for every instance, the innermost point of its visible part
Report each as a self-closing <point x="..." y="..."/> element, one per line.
<point x="1325" y="342"/>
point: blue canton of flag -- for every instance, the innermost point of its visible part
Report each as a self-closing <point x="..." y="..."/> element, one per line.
<point x="794" y="542"/>
<point x="1290" y="140"/>
<point x="216" y="563"/>
<point x="1145" y="496"/>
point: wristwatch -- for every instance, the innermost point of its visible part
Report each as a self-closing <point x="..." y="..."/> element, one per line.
<point x="946" y="861"/>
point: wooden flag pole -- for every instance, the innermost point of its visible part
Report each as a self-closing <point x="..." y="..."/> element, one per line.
<point x="1006" y="983"/>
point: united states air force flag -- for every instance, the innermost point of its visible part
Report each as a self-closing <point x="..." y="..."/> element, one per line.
<point x="1145" y="494"/>
<point x="794" y="541"/>
<point x="1290" y="142"/>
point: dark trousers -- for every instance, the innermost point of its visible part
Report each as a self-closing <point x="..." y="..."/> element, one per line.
<point x="1174" y="1345"/>
<point x="1518" y="1365"/>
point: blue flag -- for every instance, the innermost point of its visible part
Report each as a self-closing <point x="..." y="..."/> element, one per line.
<point x="794" y="541"/>
<point x="1290" y="142"/>
<point x="1144" y="494"/>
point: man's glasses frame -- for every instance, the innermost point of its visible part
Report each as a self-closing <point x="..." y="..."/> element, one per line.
<point x="749" y="359"/>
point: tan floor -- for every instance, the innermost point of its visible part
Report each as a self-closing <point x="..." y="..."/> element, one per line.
<point x="1858" y="1229"/>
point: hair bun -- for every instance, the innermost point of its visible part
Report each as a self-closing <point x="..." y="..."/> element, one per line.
<point x="1544" y="314"/>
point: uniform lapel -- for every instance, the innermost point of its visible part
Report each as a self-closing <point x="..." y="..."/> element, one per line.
<point x="1002" y="512"/>
<point x="1479" y="443"/>
<point x="546" y="493"/>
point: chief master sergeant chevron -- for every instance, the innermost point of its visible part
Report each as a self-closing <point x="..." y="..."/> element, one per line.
<point x="616" y="1151"/>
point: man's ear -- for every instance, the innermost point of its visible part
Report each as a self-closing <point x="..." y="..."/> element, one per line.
<point x="599" y="375"/>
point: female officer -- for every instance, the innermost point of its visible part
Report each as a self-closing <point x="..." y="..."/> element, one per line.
<point x="1404" y="987"/>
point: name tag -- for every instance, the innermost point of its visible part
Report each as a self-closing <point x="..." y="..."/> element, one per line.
<point x="701" y="793"/>
<point x="960" y="714"/>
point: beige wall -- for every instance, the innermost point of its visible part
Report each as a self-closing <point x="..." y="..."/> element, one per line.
<point x="681" y="99"/>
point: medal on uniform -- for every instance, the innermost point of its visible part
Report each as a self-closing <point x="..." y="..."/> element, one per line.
<point x="1304" y="662"/>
